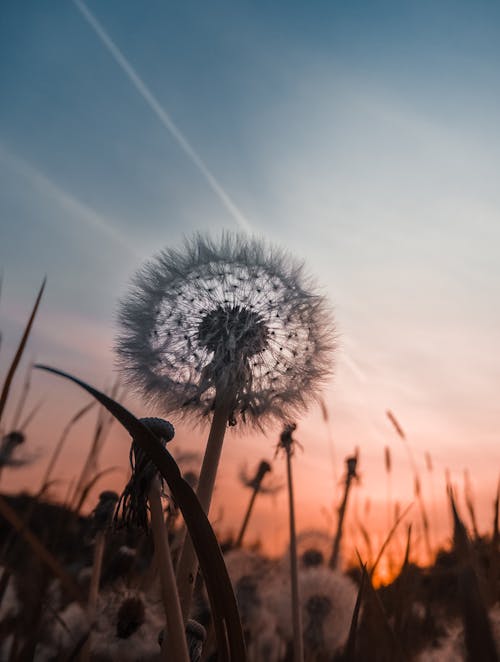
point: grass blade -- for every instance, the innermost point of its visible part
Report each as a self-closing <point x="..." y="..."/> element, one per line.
<point x="18" y="355"/>
<point x="57" y="451"/>
<point x="374" y="612"/>
<point x="389" y="536"/>
<point x="479" y="641"/>
<point x="349" y="654"/>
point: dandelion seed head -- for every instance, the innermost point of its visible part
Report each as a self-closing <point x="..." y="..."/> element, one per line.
<point x="102" y="514"/>
<point x="313" y="547"/>
<point x="317" y="609"/>
<point x="130" y="617"/>
<point x="247" y="597"/>
<point x="255" y="480"/>
<point x="242" y="562"/>
<point x="123" y="630"/>
<point x="235" y="320"/>
<point x="312" y="558"/>
<point x="327" y="602"/>
<point x="10" y="442"/>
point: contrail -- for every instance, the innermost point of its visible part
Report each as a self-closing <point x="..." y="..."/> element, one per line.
<point x="162" y="115"/>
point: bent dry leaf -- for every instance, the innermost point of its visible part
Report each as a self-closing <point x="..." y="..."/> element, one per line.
<point x="19" y="352"/>
<point x="231" y="646"/>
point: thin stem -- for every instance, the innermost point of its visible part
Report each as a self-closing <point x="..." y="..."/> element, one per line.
<point x="188" y="565"/>
<point x="174" y="645"/>
<point x="95" y="579"/>
<point x="62" y="440"/>
<point x="246" y="519"/>
<point x="298" y="645"/>
<point x="338" y="537"/>
<point x="389" y="500"/>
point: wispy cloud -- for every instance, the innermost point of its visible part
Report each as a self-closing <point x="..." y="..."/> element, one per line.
<point x="66" y="201"/>
<point x="163" y="116"/>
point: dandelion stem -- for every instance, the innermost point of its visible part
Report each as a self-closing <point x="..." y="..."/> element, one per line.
<point x="96" y="574"/>
<point x="246" y="519"/>
<point x="351" y="473"/>
<point x="298" y="645"/>
<point x="211" y="458"/>
<point x="174" y="645"/>
<point x="95" y="579"/>
<point x="188" y="565"/>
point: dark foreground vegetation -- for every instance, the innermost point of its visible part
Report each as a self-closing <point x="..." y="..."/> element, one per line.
<point x="434" y="613"/>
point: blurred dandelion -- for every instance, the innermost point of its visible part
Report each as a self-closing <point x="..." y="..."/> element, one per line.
<point x="130" y="617"/>
<point x="15" y="440"/>
<point x="255" y="580"/>
<point x="10" y="443"/>
<point x="259" y="485"/>
<point x="313" y="548"/>
<point x="12" y="451"/>
<point x="127" y="626"/>
<point x="327" y="599"/>
<point x="100" y="521"/>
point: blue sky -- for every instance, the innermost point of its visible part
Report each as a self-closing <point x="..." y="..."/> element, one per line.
<point x="361" y="136"/>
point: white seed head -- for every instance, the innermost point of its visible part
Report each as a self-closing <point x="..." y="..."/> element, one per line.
<point x="327" y="601"/>
<point x="233" y="319"/>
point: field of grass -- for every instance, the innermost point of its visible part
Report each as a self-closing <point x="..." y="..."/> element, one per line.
<point x="123" y="583"/>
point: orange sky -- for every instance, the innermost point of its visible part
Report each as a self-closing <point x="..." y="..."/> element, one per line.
<point x="312" y="467"/>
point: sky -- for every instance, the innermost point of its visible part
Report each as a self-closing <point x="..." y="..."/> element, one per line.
<point x="361" y="137"/>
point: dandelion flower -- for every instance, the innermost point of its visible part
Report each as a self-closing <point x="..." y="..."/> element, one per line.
<point x="327" y="602"/>
<point x="242" y="562"/>
<point x="233" y="320"/>
<point x="8" y="449"/>
<point x="230" y="328"/>
<point x="254" y="577"/>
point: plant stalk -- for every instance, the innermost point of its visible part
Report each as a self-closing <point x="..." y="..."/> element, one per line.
<point x="298" y="644"/>
<point x="174" y="645"/>
<point x="95" y="579"/>
<point x="188" y="565"/>
<point x="351" y="473"/>
<point x="246" y="519"/>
